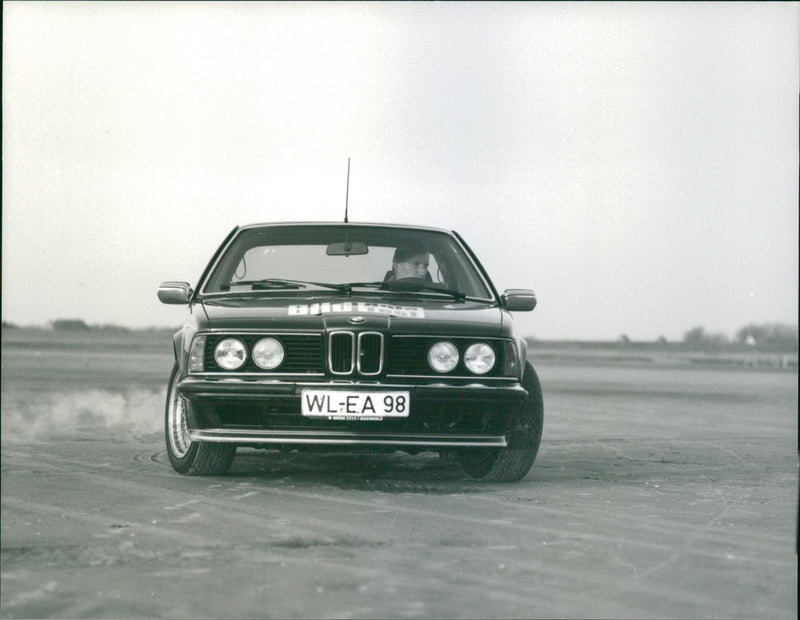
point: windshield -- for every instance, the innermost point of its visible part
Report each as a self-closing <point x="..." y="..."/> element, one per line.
<point x="345" y="258"/>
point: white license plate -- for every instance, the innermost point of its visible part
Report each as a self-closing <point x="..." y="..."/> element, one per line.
<point x="345" y="405"/>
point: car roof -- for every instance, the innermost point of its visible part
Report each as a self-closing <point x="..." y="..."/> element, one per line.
<point x="346" y="224"/>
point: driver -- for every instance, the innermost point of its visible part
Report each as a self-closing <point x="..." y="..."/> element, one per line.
<point x="410" y="261"/>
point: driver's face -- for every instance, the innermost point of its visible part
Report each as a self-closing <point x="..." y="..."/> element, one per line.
<point x="415" y="267"/>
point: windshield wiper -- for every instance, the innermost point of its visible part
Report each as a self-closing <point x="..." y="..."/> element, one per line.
<point x="283" y="284"/>
<point x="409" y="285"/>
<point x="417" y="285"/>
<point x="351" y="285"/>
<point x="412" y="285"/>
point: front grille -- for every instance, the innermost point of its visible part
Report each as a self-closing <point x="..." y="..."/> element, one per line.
<point x="365" y="354"/>
<point x="370" y="353"/>
<point x="303" y="353"/>
<point x="408" y="356"/>
<point x="341" y="352"/>
<point x="348" y="351"/>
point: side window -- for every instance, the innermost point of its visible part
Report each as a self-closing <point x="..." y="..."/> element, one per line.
<point x="456" y="273"/>
<point x="435" y="270"/>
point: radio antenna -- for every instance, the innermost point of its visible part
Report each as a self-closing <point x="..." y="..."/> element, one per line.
<point x="347" y="193"/>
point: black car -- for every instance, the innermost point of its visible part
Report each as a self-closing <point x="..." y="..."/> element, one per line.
<point x="350" y="336"/>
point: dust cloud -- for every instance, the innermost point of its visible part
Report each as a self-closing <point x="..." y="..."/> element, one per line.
<point x="55" y="414"/>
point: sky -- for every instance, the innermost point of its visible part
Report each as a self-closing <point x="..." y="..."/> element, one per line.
<point x="635" y="164"/>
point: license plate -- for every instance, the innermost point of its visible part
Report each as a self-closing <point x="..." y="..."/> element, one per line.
<point x="346" y="405"/>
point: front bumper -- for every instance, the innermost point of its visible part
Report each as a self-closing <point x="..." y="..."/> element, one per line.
<point x="258" y="412"/>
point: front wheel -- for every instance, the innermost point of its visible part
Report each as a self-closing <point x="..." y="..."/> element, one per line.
<point x="512" y="463"/>
<point x="193" y="458"/>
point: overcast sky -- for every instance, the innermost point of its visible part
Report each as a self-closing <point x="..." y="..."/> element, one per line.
<point x="634" y="164"/>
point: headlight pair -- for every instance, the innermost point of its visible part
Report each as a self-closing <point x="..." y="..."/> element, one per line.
<point x="479" y="358"/>
<point x="231" y="353"/>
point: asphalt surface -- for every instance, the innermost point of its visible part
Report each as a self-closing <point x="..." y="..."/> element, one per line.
<point x="658" y="492"/>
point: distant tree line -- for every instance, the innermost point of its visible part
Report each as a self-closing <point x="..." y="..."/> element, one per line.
<point x="768" y="334"/>
<point x="765" y="335"/>
<point x="76" y="325"/>
<point x="72" y="325"/>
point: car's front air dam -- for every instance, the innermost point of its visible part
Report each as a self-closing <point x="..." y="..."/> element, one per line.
<point x="206" y="398"/>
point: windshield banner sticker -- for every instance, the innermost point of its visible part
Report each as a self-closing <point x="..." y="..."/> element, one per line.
<point x="408" y="312"/>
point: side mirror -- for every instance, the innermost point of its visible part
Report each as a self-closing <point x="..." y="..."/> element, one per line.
<point x="518" y="300"/>
<point x="174" y="292"/>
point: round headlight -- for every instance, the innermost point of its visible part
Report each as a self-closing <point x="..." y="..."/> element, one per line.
<point x="479" y="358"/>
<point x="268" y="353"/>
<point x="443" y="356"/>
<point x="230" y="353"/>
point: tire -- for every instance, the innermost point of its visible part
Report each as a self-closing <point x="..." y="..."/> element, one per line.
<point x="192" y="458"/>
<point x="512" y="464"/>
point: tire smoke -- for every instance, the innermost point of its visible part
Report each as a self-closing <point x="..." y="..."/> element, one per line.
<point x="58" y="414"/>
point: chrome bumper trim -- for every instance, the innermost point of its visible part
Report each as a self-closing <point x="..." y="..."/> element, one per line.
<point x="345" y="438"/>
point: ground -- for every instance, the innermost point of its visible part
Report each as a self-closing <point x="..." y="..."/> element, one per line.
<point x="659" y="491"/>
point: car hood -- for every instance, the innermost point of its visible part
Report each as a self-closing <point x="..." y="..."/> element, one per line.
<point x="402" y="315"/>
